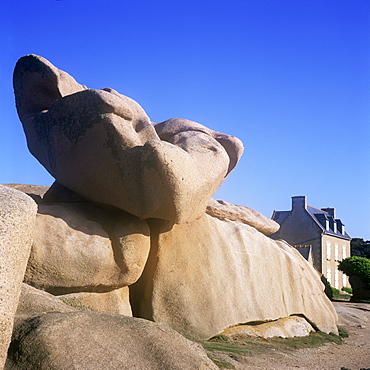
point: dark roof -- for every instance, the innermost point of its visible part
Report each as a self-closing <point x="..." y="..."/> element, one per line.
<point x="325" y="220"/>
<point x="279" y="216"/>
<point x="304" y="250"/>
<point x="319" y="216"/>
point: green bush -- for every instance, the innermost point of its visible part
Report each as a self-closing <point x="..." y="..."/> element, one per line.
<point x="359" y="266"/>
<point x="335" y="291"/>
<point x="347" y="290"/>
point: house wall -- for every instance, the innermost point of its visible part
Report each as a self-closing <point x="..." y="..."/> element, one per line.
<point x="298" y="228"/>
<point x="333" y="250"/>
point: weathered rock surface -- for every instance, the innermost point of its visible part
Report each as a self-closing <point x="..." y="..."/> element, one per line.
<point x="287" y="327"/>
<point x="94" y="340"/>
<point x="205" y="276"/>
<point x="57" y="193"/>
<point x="17" y="218"/>
<point x="103" y="146"/>
<point x="178" y="130"/>
<point x="115" y="301"/>
<point x="33" y="97"/>
<point x="34" y="302"/>
<point x="225" y="210"/>
<point x="352" y="314"/>
<point x="36" y="192"/>
<point x="81" y="247"/>
<point x="200" y="274"/>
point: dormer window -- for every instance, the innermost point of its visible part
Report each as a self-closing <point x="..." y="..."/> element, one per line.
<point x="332" y="224"/>
<point x="340" y="226"/>
<point x="323" y="219"/>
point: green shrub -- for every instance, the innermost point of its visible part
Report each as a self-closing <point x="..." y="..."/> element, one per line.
<point x="359" y="266"/>
<point x="335" y="291"/>
<point x="347" y="290"/>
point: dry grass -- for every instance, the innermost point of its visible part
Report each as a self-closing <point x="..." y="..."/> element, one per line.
<point x="222" y="345"/>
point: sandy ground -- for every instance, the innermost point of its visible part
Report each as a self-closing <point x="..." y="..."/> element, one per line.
<point x="353" y="354"/>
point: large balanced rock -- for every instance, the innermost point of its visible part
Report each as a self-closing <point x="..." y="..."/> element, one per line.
<point x="17" y="218"/>
<point x="81" y="247"/>
<point x="205" y="276"/>
<point x="102" y="145"/>
<point x="199" y="273"/>
<point x="93" y="340"/>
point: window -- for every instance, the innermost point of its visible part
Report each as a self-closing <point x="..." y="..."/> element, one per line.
<point x="336" y="252"/>
<point x="336" y="279"/>
<point x="328" y="274"/>
<point x="344" y="279"/>
<point x="328" y="251"/>
<point x="344" y="252"/>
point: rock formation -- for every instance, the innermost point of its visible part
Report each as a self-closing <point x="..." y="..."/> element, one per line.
<point x="204" y="276"/>
<point x="89" y="249"/>
<point x="129" y="229"/>
<point x="102" y="145"/>
<point x="17" y="218"/>
<point x="96" y="340"/>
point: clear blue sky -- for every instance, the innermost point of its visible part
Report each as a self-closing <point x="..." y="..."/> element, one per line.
<point x="290" y="78"/>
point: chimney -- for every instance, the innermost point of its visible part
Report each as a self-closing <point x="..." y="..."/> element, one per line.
<point x="331" y="211"/>
<point x="299" y="202"/>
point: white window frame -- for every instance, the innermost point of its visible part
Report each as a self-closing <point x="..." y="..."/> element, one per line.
<point x="328" y="251"/>
<point x="336" y="279"/>
<point x="328" y="274"/>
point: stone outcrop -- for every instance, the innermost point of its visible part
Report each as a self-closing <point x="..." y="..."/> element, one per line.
<point x="228" y="211"/>
<point x="129" y="229"/>
<point x="352" y="314"/>
<point x="102" y="145"/>
<point x="17" y="218"/>
<point x="210" y="274"/>
<point x="113" y="301"/>
<point x="287" y="327"/>
<point x="81" y="247"/>
<point x="36" y="192"/>
<point x="189" y="268"/>
<point x="34" y="302"/>
<point x="94" y="340"/>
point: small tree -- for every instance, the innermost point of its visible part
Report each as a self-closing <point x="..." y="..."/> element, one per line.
<point x="358" y="270"/>
<point x="360" y="247"/>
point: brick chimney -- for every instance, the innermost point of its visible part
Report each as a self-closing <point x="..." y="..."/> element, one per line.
<point x="331" y="211"/>
<point x="299" y="202"/>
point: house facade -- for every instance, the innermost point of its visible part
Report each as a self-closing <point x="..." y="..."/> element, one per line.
<point x="319" y="229"/>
